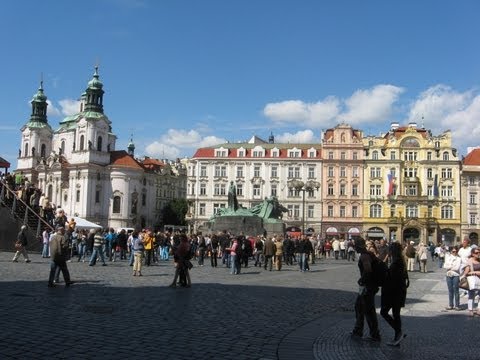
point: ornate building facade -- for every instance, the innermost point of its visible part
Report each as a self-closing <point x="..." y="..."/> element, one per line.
<point x="412" y="186"/>
<point x="79" y="169"/>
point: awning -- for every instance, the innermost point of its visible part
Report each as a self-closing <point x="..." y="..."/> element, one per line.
<point x="85" y="224"/>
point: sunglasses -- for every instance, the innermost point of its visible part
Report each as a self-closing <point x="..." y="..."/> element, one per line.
<point x="476" y="252"/>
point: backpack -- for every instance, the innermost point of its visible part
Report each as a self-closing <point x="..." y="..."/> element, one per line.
<point x="380" y="271"/>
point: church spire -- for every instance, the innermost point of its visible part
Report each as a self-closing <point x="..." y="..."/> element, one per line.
<point x="131" y="147"/>
<point x="39" y="106"/>
<point x="94" y="94"/>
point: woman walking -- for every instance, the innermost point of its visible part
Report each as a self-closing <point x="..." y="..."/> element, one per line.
<point x="394" y="292"/>
<point x="473" y="269"/>
<point x="453" y="263"/>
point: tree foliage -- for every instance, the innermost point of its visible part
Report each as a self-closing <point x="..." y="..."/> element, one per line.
<point x="175" y="211"/>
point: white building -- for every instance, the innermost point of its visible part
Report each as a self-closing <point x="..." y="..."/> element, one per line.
<point x="78" y="168"/>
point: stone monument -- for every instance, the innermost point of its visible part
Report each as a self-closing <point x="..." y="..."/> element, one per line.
<point x="265" y="217"/>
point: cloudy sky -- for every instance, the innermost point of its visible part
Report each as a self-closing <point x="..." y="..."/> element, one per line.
<point x="182" y="74"/>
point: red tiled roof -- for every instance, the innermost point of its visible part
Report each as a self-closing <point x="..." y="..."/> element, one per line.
<point x="473" y="158"/>
<point x="4" y="163"/>
<point x="123" y="159"/>
<point x="283" y="151"/>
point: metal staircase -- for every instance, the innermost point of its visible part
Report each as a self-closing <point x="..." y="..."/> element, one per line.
<point x="23" y="213"/>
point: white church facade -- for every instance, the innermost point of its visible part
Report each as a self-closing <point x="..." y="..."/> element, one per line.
<point x="79" y="169"/>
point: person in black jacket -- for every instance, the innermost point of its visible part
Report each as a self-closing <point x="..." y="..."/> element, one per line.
<point x="21" y="245"/>
<point x="394" y="292"/>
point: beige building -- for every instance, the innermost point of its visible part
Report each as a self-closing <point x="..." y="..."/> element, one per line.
<point x="412" y="186"/>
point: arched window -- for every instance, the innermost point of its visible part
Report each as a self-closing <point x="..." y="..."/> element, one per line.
<point x="375" y="211"/>
<point x="375" y="155"/>
<point x="447" y="212"/>
<point x="446" y="156"/>
<point x="99" y="143"/>
<point x="43" y="150"/>
<point x="26" y="150"/>
<point x="62" y="147"/>
<point x="82" y="142"/>
<point x="116" y="204"/>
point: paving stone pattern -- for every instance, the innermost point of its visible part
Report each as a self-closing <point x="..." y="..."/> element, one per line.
<point x="258" y="314"/>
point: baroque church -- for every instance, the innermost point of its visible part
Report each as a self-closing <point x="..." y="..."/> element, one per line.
<point x="79" y="169"/>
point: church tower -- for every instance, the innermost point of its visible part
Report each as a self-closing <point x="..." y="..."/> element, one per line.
<point x="36" y="142"/>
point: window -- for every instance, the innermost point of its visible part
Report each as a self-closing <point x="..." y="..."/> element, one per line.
<point x="203" y="170"/>
<point x="354" y="211"/>
<point x="375" y="211"/>
<point x="290" y="210"/>
<point x="220" y="171"/>
<point x="447" y="191"/>
<point x="473" y="219"/>
<point x="375" y="172"/>
<point x="355" y="171"/>
<point x="393" y="155"/>
<point x="330" y="155"/>
<point x="82" y="142"/>
<point x="410" y="172"/>
<point x="293" y="172"/>
<point x="429" y="156"/>
<point x="62" y="147"/>
<point x="471" y="180"/>
<point x="116" y="204"/>
<point x="274" y="190"/>
<point x="473" y="199"/>
<point x="239" y="189"/>
<point x="411" y="190"/>
<point x="430" y="211"/>
<point x="274" y="153"/>
<point x="330" y="211"/>
<point x="410" y="156"/>
<point x="239" y="171"/>
<point x="447" y="212"/>
<point x="354" y="189"/>
<point x="221" y="153"/>
<point x="26" y="150"/>
<point x="99" y="143"/>
<point x="217" y="207"/>
<point x="330" y="189"/>
<point x="375" y="155"/>
<point x="294" y="153"/>
<point x="296" y="211"/>
<point x="219" y="189"/>
<point x="343" y="171"/>
<point x="355" y="156"/>
<point x="311" y="172"/>
<point x="375" y="190"/>
<point x="257" y="153"/>
<point x="241" y="153"/>
<point x="201" y="209"/>
<point x="412" y="211"/>
<point x="342" y="211"/>
<point x="446" y="156"/>
<point x="256" y="171"/>
<point x="144" y="199"/>
<point x="43" y="151"/>
<point x="311" y="211"/>
<point x="430" y="173"/>
<point x="274" y="172"/>
<point x="311" y="153"/>
<point x="256" y="190"/>
<point x="392" y="210"/>
<point x="77" y="197"/>
<point x="97" y="196"/>
<point x="203" y="189"/>
<point x="331" y="171"/>
<point x="429" y="190"/>
<point x="343" y="155"/>
<point x="343" y="190"/>
<point x="446" y="173"/>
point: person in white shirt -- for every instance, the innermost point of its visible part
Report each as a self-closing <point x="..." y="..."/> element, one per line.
<point x="453" y="263"/>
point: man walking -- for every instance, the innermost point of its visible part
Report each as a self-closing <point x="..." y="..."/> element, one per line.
<point x="268" y="252"/>
<point x="365" y="302"/>
<point x="21" y="245"/>
<point x="58" y="255"/>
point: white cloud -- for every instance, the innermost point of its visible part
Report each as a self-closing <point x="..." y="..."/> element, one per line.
<point x="179" y="143"/>
<point x="69" y="106"/>
<point x="371" y="105"/>
<point x="364" y="106"/>
<point x="303" y="136"/>
<point x="52" y="110"/>
<point x="310" y="114"/>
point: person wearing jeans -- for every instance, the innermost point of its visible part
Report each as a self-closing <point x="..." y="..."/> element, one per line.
<point x="452" y="264"/>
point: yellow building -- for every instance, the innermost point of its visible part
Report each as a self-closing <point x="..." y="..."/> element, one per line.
<point x="411" y="186"/>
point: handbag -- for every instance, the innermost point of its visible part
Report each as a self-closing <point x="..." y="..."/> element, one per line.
<point x="463" y="284"/>
<point x="473" y="282"/>
<point x="18" y="246"/>
<point x="423" y="256"/>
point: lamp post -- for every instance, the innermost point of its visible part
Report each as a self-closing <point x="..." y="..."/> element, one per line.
<point x="300" y="186"/>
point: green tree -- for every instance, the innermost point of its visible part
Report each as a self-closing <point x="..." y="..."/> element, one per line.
<point x="175" y="211"/>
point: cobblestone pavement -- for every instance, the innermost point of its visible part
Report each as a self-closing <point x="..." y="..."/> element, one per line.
<point x="258" y="314"/>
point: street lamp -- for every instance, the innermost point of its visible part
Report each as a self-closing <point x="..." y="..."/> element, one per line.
<point x="300" y="186"/>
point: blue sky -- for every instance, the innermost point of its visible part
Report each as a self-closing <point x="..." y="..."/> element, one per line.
<point x="183" y="74"/>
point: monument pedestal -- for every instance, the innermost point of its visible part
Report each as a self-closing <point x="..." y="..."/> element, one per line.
<point x="249" y="225"/>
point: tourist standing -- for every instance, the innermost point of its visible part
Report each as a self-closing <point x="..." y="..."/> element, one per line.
<point x="268" y="253"/>
<point x="98" y="243"/>
<point x="394" y="291"/>
<point x="137" y="248"/>
<point x="58" y="257"/>
<point x="453" y="264"/>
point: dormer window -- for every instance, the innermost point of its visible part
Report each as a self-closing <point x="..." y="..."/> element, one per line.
<point x="241" y="153"/>
<point x="294" y="153"/>
<point x="275" y="153"/>
<point x="258" y="151"/>
<point x="221" y="152"/>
